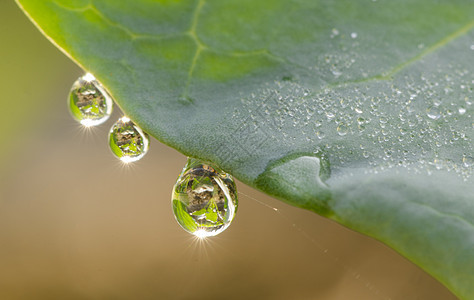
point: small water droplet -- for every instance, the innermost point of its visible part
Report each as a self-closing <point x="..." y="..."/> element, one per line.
<point x="204" y="199"/>
<point x="433" y="113"/>
<point x="320" y="135"/>
<point x="330" y="115"/>
<point x="127" y="141"/>
<point x="342" y="130"/>
<point x="438" y="164"/>
<point x="467" y="161"/>
<point x="354" y="35"/>
<point x="361" y="126"/>
<point x="412" y="121"/>
<point x="461" y="110"/>
<point x="89" y="102"/>
<point x="335" y="72"/>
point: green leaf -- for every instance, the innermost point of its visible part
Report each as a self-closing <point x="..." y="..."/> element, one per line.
<point x="358" y="110"/>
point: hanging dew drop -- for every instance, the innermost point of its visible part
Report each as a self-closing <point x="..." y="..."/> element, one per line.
<point x="204" y="199"/>
<point x="89" y="102"/>
<point x="127" y="141"/>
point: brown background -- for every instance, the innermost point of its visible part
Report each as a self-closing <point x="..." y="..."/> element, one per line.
<point x="75" y="224"/>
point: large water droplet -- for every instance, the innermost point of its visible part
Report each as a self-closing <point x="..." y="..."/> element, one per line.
<point x="127" y="141"/>
<point x="89" y="102"/>
<point x="204" y="199"/>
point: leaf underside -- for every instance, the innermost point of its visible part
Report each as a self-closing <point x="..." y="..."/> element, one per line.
<point x="358" y="110"/>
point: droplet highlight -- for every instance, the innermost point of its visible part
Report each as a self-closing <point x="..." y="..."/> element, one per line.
<point x="204" y="199"/>
<point x="127" y="141"/>
<point x="89" y="102"/>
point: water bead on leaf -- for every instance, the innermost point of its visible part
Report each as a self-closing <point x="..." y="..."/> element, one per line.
<point x="204" y="199"/>
<point x="127" y="141"/>
<point x="89" y="102"/>
<point x="433" y="113"/>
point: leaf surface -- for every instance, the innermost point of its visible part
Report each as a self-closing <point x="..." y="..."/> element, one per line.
<point x="358" y="110"/>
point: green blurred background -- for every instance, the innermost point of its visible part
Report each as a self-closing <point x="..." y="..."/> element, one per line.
<point x="75" y="224"/>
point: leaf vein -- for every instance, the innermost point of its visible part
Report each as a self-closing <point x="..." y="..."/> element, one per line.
<point x="192" y="32"/>
<point x="133" y="35"/>
<point x="400" y="67"/>
<point x="444" y="214"/>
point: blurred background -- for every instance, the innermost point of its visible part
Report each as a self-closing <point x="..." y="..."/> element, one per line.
<point x="76" y="224"/>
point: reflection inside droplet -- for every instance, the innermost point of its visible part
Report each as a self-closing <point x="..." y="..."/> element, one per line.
<point x="89" y="102"/>
<point x="204" y="199"/>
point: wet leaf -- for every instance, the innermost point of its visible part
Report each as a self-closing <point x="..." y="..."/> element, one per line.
<point x="358" y="110"/>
